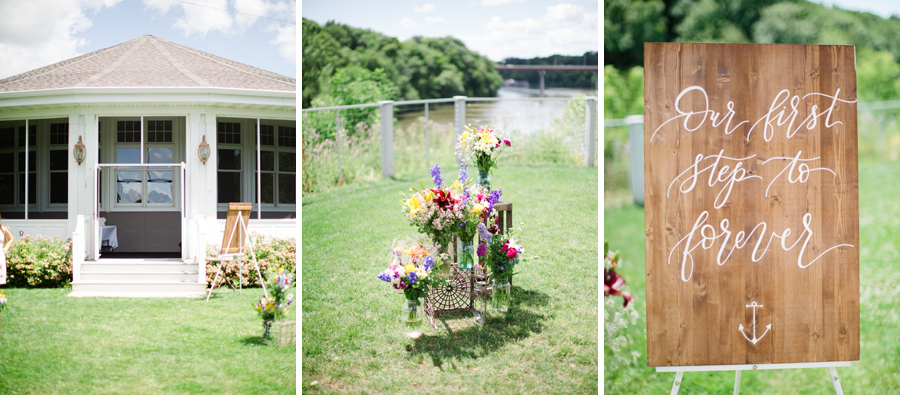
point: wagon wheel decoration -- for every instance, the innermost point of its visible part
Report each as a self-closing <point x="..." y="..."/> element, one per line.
<point x="453" y="294"/>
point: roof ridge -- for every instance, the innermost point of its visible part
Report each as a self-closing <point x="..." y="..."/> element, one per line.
<point x="217" y="59"/>
<point x="175" y="63"/>
<point x="109" y="69"/>
<point x="64" y="63"/>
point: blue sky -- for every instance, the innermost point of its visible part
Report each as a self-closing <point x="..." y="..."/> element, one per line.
<point x="48" y="31"/>
<point x="494" y="28"/>
<point x="883" y="8"/>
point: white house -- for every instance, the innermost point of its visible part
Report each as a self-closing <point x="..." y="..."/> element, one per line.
<point x="141" y="110"/>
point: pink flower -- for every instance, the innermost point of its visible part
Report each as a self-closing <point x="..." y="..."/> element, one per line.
<point x="511" y="253"/>
<point x="508" y="144"/>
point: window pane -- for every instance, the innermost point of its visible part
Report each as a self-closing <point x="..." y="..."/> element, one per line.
<point x="128" y="155"/>
<point x="128" y="187"/>
<point x="59" y="133"/>
<point x="7" y="163"/>
<point x="229" y="133"/>
<point x="31" y="161"/>
<point x="31" y="135"/>
<point x="7" y="137"/>
<point x="268" y="187"/>
<point x="159" y="187"/>
<point x="267" y="160"/>
<point x="59" y="187"/>
<point x="128" y="131"/>
<point x="287" y="136"/>
<point x="159" y="155"/>
<point x="59" y="160"/>
<point x="7" y="189"/>
<point x="267" y="135"/>
<point x="287" y="161"/>
<point x="229" y="187"/>
<point x="31" y="188"/>
<point x="287" y="189"/>
<point x="230" y="159"/>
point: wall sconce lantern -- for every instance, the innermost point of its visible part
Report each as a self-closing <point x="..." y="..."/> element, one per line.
<point x="204" y="151"/>
<point x="79" y="151"/>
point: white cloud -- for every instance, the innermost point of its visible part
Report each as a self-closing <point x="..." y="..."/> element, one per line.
<point x="42" y="32"/>
<point x="407" y="23"/>
<point x="244" y="8"/>
<point x="432" y="20"/>
<point x="286" y="40"/>
<point x="500" y="2"/>
<point x="565" y="29"/>
<point x="427" y="7"/>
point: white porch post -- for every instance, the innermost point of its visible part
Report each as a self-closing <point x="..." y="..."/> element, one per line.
<point x="82" y="182"/>
<point x="200" y="208"/>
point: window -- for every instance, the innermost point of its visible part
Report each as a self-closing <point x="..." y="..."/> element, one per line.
<point x="143" y="187"/>
<point x="38" y="157"/>
<point x="237" y="163"/>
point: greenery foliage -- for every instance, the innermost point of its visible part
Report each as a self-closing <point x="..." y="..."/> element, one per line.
<point x="271" y="253"/>
<point x="418" y="68"/>
<point x="41" y="262"/>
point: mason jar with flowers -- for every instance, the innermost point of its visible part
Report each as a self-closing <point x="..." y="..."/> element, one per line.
<point x="502" y="254"/>
<point x="274" y="305"/>
<point x="481" y="145"/>
<point x="410" y="272"/>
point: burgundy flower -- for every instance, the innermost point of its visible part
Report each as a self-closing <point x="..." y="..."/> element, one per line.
<point x="482" y="250"/>
<point x="508" y="144"/>
<point x="613" y="284"/>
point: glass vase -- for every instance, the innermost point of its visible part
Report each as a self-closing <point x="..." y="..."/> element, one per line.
<point x="466" y="254"/>
<point x="267" y="331"/>
<point x="484" y="178"/>
<point x="411" y="318"/>
<point x="500" y="294"/>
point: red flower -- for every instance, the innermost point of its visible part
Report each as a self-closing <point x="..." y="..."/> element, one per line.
<point x="511" y="253"/>
<point x="613" y="284"/>
<point x="508" y="144"/>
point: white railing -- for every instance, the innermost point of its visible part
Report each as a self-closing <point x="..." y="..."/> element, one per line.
<point x="465" y="110"/>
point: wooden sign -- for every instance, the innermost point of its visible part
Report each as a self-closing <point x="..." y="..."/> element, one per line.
<point x="752" y="214"/>
<point x="235" y="228"/>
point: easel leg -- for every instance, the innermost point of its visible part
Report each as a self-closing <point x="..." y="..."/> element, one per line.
<point x="835" y="381"/>
<point x="677" y="385"/>
<point x="737" y="382"/>
<point x="216" y="278"/>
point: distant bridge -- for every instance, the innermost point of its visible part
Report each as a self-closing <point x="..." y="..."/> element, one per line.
<point x="543" y="69"/>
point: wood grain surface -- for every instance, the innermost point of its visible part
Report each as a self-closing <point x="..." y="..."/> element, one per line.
<point x="751" y="197"/>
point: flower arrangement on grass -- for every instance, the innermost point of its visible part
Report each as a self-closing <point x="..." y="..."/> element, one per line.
<point x="275" y="306"/>
<point x="501" y="255"/>
<point x="435" y="211"/>
<point x="410" y="271"/>
<point x="481" y="145"/>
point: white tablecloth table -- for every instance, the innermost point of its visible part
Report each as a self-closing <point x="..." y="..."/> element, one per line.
<point x="109" y="236"/>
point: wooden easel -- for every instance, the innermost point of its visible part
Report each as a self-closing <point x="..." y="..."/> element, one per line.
<point x="233" y="241"/>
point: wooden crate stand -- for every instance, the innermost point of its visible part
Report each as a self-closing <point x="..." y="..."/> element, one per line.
<point x="464" y="285"/>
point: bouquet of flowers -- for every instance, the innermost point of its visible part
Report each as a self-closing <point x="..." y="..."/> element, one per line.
<point x="274" y="307"/>
<point x="435" y="211"/>
<point x="613" y="283"/>
<point x="410" y="272"/>
<point x="481" y="145"/>
<point x="3" y="301"/>
<point x="501" y="254"/>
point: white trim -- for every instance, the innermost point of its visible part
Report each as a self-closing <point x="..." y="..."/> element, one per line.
<point x="80" y="97"/>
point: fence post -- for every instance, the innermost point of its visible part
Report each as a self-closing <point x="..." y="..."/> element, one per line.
<point x="338" y="138"/>
<point x="459" y="117"/>
<point x="590" y="131"/>
<point x="426" y="134"/>
<point x="636" y="137"/>
<point x="387" y="138"/>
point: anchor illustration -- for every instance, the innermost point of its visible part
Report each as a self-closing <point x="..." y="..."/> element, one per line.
<point x="741" y="326"/>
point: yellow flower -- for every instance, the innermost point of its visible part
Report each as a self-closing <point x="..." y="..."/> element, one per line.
<point x="429" y="195"/>
<point x="410" y="268"/>
<point x="457" y="185"/>
<point x="477" y="208"/>
<point x="413" y="205"/>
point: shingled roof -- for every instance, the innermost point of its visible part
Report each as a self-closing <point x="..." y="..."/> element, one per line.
<point x="148" y="61"/>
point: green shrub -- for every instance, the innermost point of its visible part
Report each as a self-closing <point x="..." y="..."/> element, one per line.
<point x="40" y="262"/>
<point x="271" y="252"/>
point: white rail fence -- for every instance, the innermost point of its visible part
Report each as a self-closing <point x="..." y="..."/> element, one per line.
<point x="440" y="117"/>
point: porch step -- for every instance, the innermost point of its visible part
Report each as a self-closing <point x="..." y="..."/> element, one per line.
<point x="139" y="278"/>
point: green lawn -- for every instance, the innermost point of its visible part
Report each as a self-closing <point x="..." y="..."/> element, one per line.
<point x="53" y="344"/>
<point x="547" y="343"/>
<point x="877" y="372"/>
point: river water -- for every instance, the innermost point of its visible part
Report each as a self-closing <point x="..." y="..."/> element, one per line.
<point x="510" y="112"/>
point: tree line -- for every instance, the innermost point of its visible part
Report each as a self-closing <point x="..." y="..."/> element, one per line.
<point x="346" y="65"/>
<point x="630" y="23"/>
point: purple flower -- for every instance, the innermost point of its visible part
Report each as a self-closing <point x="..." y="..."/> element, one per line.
<point x="482" y="249"/>
<point x="429" y="263"/>
<point x="502" y="267"/>
<point x="412" y="278"/>
<point x="483" y="233"/>
<point x="398" y="256"/>
<point x="462" y="173"/>
<point x="436" y="174"/>
<point x="494" y="196"/>
<point x="385" y="277"/>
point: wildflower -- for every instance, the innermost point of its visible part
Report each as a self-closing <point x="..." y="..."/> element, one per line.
<point x="462" y="173"/>
<point x="483" y="233"/>
<point x="482" y="250"/>
<point x="436" y="175"/>
<point x="429" y="263"/>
